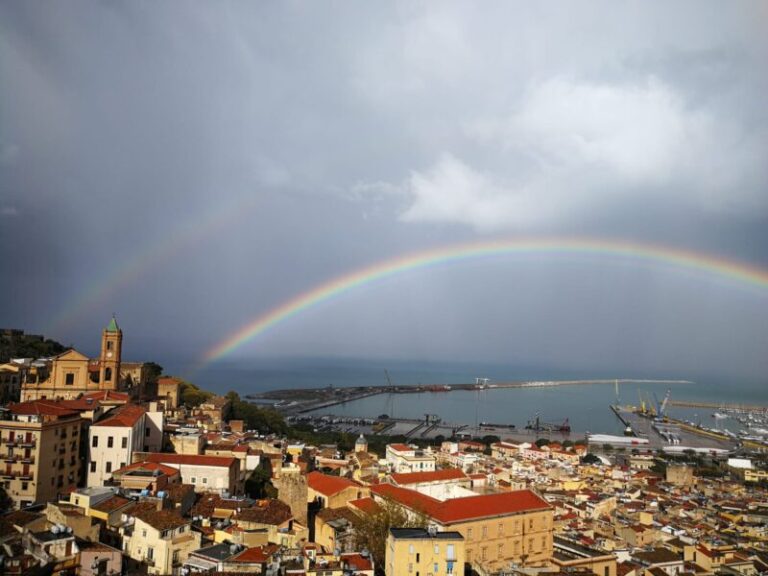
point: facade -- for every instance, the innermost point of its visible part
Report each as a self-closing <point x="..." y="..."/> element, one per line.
<point x="113" y="440"/>
<point x="206" y="473"/>
<point x="332" y="491"/>
<point x="419" y="552"/>
<point x="498" y="529"/>
<point x="72" y="374"/>
<point x="39" y="443"/>
<point x="402" y="458"/>
<point x="168" y="391"/>
<point x="161" y="539"/>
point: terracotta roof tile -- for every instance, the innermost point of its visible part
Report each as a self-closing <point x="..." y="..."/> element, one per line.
<point x="125" y="416"/>
<point x="463" y="509"/>
<point x="328" y="485"/>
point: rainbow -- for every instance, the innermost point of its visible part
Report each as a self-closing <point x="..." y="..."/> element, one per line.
<point x="655" y="254"/>
<point x="125" y="272"/>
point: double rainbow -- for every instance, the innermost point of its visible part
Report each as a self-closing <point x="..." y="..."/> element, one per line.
<point x="654" y="254"/>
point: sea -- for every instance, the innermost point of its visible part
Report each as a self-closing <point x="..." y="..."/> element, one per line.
<point x="586" y="407"/>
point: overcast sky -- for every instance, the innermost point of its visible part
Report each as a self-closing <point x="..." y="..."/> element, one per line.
<point x="190" y="166"/>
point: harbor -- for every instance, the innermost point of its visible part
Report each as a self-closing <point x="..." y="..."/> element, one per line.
<point x="523" y="411"/>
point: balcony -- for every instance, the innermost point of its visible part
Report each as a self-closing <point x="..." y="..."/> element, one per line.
<point x="10" y="459"/>
<point x="27" y="477"/>
<point x="30" y="460"/>
<point x="27" y="443"/>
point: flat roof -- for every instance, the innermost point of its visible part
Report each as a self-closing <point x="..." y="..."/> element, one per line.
<point x="421" y="533"/>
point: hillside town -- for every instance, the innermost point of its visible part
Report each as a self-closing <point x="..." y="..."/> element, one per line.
<point x="111" y="468"/>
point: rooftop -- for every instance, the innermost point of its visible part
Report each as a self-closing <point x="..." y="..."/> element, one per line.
<point x="467" y="508"/>
<point x="423" y="534"/>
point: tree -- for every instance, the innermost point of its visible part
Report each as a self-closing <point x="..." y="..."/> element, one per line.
<point x="259" y="484"/>
<point x="591" y="459"/>
<point x="265" y="420"/>
<point x="542" y="442"/>
<point x="192" y="396"/>
<point x="372" y="530"/>
<point x="154" y="371"/>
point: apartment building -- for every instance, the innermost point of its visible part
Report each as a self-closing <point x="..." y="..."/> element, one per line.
<point x="161" y="539"/>
<point x="113" y="440"/>
<point x="39" y="445"/>
<point x="416" y="552"/>
<point x="498" y="529"/>
<point x="206" y="473"/>
<point x="402" y="458"/>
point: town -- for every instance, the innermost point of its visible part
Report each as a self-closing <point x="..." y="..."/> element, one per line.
<point x="111" y="467"/>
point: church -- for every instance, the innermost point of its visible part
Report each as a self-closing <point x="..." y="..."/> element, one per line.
<point x="71" y="374"/>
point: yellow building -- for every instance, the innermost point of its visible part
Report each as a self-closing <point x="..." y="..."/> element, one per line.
<point x="162" y="539"/>
<point x="420" y="552"/>
<point x="71" y="373"/>
<point x="39" y="445"/>
<point x="498" y="529"/>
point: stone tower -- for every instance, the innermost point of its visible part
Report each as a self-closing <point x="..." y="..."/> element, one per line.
<point x="111" y="348"/>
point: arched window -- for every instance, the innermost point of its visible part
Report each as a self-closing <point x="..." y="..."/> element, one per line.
<point x="108" y="375"/>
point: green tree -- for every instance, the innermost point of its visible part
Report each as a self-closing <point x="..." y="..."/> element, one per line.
<point x="542" y="442"/>
<point x="259" y="484"/>
<point x="591" y="459"/>
<point x="154" y="371"/>
<point x="372" y="530"/>
<point x="191" y="396"/>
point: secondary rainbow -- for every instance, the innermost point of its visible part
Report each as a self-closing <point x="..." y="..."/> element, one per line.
<point x="677" y="258"/>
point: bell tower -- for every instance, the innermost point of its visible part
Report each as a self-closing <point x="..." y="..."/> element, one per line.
<point x="111" y="348"/>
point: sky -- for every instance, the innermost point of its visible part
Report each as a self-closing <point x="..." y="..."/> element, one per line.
<point x="192" y="166"/>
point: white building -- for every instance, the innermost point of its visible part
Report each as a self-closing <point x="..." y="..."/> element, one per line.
<point x="402" y="458"/>
<point x="206" y="473"/>
<point x="113" y="440"/>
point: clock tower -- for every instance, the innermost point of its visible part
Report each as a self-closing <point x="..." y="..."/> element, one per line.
<point x="111" y="346"/>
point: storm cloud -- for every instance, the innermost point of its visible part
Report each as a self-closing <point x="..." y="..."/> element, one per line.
<point x="191" y="167"/>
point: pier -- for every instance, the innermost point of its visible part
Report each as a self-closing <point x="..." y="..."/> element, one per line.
<point x="719" y="406"/>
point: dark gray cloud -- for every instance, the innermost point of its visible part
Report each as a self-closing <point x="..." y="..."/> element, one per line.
<point x="191" y="168"/>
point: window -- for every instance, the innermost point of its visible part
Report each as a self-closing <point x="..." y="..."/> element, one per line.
<point x="435" y="568"/>
<point x="410" y="548"/>
<point x="24" y="485"/>
<point x="109" y="466"/>
<point x="144" y="533"/>
<point x="122" y="464"/>
<point x="69" y="379"/>
<point x="147" y="431"/>
<point x="108" y="375"/>
<point x="606" y="571"/>
<point x="410" y="568"/>
<point x="449" y="568"/>
<point x="417" y="557"/>
<point x="500" y="551"/>
<point x="93" y="466"/>
<point x="485" y="531"/>
<point x="124" y="442"/>
<point x="484" y="553"/>
<point x="60" y="482"/>
<point x="469" y="534"/>
<point x="501" y="528"/>
<point x="151" y="553"/>
<point x="110" y="441"/>
<point x="95" y="442"/>
<point x="109" y="344"/>
<point x="205" y="480"/>
<point x="193" y="480"/>
<point x="437" y="551"/>
<point x="450" y="551"/>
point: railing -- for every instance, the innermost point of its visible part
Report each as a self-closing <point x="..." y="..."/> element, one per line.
<point x="27" y="443"/>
